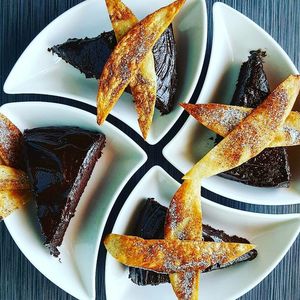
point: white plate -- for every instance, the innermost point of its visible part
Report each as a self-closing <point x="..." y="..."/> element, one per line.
<point x="38" y="71"/>
<point x="121" y="158"/>
<point x="272" y="234"/>
<point x="234" y="36"/>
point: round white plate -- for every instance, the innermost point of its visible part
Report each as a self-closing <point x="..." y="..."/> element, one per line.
<point x="38" y="71"/>
<point x="272" y="234"/>
<point x="234" y="36"/>
<point x="121" y="158"/>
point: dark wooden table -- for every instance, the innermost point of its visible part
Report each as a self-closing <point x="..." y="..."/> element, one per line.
<point x="21" y="21"/>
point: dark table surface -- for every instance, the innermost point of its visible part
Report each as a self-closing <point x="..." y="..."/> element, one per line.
<point x="21" y="21"/>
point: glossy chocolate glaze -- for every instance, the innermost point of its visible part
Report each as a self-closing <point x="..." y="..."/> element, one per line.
<point x="165" y="57"/>
<point x="150" y="225"/>
<point x="252" y="85"/>
<point x="89" y="56"/>
<point x="270" y="168"/>
<point x="59" y="162"/>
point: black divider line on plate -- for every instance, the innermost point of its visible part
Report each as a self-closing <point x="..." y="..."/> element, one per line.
<point x="53" y="99"/>
<point x="155" y="157"/>
<point x="131" y="184"/>
<point x="132" y="134"/>
<point x="265" y="209"/>
<point x="110" y="222"/>
<point x="184" y="116"/>
<point x="119" y="203"/>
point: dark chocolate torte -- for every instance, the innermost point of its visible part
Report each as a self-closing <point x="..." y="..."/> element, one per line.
<point x="89" y="55"/>
<point x="150" y="225"/>
<point x="165" y="55"/>
<point x="59" y="162"/>
<point x="270" y="168"/>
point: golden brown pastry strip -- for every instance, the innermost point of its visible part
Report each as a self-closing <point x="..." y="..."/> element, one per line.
<point x="14" y="184"/>
<point x="143" y="84"/>
<point x="184" y="217"/>
<point x="10" y="143"/>
<point x="125" y="60"/>
<point x="222" y="119"/>
<point x="13" y="179"/>
<point x="184" y="222"/>
<point x="252" y="135"/>
<point x="10" y="200"/>
<point x="121" y="17"/>
<point x="171" y="256"/>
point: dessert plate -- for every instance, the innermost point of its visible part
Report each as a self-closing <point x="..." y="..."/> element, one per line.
<point x="75" y="272"/>
<point x="38" y="71"/>
<point x="272" y="234"/>
<point x="229" y="49"/>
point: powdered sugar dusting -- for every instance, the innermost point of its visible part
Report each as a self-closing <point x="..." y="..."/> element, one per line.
<point x="187" y="284"/>
<point x="171" y="267"/>
<point x="293" y="133"/>
<point x="226" y="117"/>
<point x="229" y="118"/>
<point x="173" y="215"/>
<point x="11" y="139"/>
<point x="4" y="136"/>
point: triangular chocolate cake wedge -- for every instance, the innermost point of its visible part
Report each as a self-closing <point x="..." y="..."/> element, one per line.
<point x="59" y="163"/>
<point x="270" y="168"/>
<point x="150" y="225"/>
<point x="89" y="55"/>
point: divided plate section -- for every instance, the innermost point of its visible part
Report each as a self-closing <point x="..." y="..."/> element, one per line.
<point x="120" y="160"/>
<point x="272" y="234"/>
<point x="234" y="36"/>
<point x="38" y="71"/>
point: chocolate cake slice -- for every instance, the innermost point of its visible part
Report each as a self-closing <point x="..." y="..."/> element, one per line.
<point x="270" y="168"/>
<point x="59" y="162"/>
<point x="89" y="56"/>
<point x="150" y="225"/>
<point x="164" y="52"/>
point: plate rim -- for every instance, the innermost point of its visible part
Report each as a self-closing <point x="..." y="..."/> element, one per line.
<point x="176" y="110"/>
<point x="143" y="158"/>
<point x="289" y="217"/>
<point x="217" y="9"/>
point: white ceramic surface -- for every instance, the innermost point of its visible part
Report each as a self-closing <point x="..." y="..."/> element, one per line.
<point x="38" y="71"/>
<point x="234" y="36"/>
<point x="121" y="158"/>
<point x="272" y="234"/>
